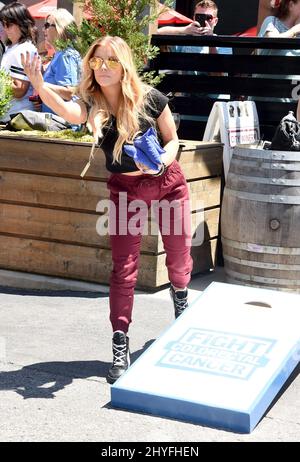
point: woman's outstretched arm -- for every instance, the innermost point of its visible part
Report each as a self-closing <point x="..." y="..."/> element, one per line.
<point x="169" y="136"/>
<point x="72" y="111"/>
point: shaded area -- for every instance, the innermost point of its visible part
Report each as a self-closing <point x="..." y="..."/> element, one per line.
<point x="52" y="293"/>
<point x="286" y="385"/>
<point x="31" y="381"/>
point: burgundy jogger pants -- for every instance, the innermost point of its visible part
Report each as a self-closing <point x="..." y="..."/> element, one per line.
<point x="131" y="198"/>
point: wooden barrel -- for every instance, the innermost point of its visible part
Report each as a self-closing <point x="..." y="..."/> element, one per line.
<point x="260" y="219"/>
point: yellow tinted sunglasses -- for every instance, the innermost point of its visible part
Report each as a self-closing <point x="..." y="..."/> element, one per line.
<point x="96" y="63"/>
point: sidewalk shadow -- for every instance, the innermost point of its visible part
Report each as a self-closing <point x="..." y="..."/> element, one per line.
<point x="52" y="293"/>
<point x="31" y="381"/>
<point x="294" y="375"/>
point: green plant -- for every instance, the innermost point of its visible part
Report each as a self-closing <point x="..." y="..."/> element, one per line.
<point x="6" y="93"/>
<point x="128" y="19"/>
<point x="62" y="135"/>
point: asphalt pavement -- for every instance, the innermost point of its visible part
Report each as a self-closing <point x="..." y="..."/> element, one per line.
<point x="55" y="348"/>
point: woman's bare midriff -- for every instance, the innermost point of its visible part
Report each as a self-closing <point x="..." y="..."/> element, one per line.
<point x="133" y="173"/>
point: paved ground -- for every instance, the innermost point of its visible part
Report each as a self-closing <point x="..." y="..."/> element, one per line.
<point x="52" y="379"/>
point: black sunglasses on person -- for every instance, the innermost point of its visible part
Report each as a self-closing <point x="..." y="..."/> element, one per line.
<point x="47" y="25"/>
<point x="7" y="24"/>
<point x="201" y="18"/>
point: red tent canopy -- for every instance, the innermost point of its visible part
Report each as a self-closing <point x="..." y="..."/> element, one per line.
<point x="167" y="17"/>
<point x="42" y="9"/>
<point x="251" y="32"/>
<point x="173" y="17"/>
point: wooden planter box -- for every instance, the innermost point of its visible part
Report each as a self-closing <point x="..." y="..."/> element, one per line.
<point x="48" y="213"/>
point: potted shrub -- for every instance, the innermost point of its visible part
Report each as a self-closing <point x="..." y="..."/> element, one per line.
<point x="5" y="92"/>
<point x="127" y="19"/>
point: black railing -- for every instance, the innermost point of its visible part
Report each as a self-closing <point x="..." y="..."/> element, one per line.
<point x="228" y="41"/>
<point x="197" y="80"/>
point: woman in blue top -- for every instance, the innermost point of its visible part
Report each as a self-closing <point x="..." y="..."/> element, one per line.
<point x="65" y="67"/>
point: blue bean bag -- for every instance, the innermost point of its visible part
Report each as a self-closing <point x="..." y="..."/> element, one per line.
<point x="146" y="149"/>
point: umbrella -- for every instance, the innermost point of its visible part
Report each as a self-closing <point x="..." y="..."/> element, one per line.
<point x="172" y="17"/>
<point x="42" y="9"/>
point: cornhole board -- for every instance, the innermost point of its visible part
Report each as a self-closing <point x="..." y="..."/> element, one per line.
<point x="221" y="362"/>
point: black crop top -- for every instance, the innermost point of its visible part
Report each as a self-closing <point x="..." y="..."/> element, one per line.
<point x="157" y="102"/>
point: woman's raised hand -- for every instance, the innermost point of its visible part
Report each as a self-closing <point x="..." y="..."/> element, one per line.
<point x="32" y="68"/>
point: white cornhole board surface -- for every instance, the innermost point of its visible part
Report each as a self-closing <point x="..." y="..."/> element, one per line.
<point x="221" y="362"/>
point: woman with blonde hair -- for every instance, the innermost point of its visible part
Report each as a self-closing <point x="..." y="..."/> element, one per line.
<point x="63" y="72"/>
<point x="119" y="107"/>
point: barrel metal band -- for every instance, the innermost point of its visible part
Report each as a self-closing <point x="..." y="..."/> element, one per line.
<point x="263" y="180"/>
<point x="269" y="198"/>
<point x="293" y="167"/>
<point x="263" y="280"/>
<point x="259" y="248"/>
<point x="260" y="264"/>
<point x="268" y="155"/>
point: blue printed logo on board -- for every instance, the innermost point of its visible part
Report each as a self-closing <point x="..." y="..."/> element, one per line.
<point x="219" y="353"/>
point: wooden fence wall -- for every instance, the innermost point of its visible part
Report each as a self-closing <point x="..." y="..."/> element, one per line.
<point x="48" y="213"/>
<point x="195" y="81"/>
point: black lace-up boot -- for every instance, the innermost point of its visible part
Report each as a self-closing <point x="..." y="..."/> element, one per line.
<point x="180" y="300"/>
<point x="121" y="360"/>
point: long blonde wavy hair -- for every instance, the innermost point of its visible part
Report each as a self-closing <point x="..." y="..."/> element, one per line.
<point x="133" y="101"/>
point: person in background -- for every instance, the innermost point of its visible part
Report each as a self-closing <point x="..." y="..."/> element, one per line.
<point x="2" y="36"/>
<point x="118" y="106"/>
<point x="285" y="23"/>
<point x="210" y="10"/>
<point x="298" y="110"/>
<point x="21" y="32"/>
<point x="63" y="72"/>
<point x="46" y="52"/>
<point x="205" y="7"/>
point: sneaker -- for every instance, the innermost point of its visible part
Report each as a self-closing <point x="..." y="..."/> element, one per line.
<point x="180" y="300"/>
<point x="121" y="360"/>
